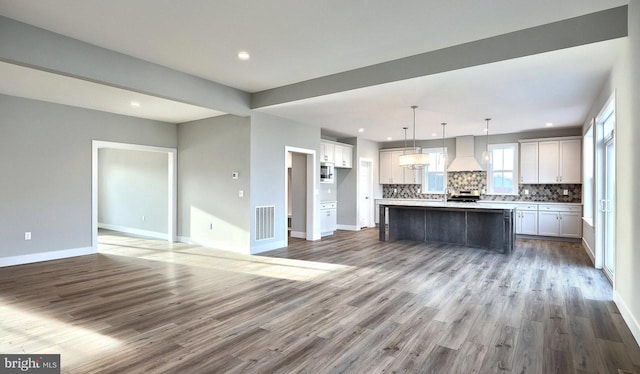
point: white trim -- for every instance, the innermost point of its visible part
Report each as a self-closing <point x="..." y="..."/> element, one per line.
<point x="312" y="224"/>
<point x="589" y="251"/>
<point x="172" y="181"/>
<point x="268" y="246"/>
<point x="134" y="231"/>
<point x="214" y="244"/>
<point x="348" y="227"/>
<point x="45" y="256"/>
<point x="627" y="316"/>
<point x="298" y="234"/>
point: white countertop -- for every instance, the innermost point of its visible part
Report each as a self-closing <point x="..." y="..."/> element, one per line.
<point x="490" y="202"/>
<point x="449" y="204"/>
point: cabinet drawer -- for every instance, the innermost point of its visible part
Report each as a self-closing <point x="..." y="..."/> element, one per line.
<point x="533" y="207"/>
<point x="332" y="205"/>
<point x="560" y="208"/>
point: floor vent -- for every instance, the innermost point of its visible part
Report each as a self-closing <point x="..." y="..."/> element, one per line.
<point x="265" y="222"/>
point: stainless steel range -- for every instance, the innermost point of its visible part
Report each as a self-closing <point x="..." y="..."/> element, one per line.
<point x="465" y="196"/>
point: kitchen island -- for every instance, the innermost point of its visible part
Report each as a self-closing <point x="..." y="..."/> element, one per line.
<point x="478" y="224"/>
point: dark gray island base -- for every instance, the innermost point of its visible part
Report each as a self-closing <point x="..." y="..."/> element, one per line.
<point x="476" y="226"/>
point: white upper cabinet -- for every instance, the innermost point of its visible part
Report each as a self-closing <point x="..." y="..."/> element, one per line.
<point x="327" y="151"/>
<point x="570" y="163"/>
<point x="343" y="156"/>
<point x="548" y="162"/>
<point x="551" y="162"/>
<point x="392" y="173"/>
<point x="529" y="163"/>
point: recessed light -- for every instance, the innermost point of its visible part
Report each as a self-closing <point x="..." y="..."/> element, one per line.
<point x="361" y="130"/>
<point x="549" y="124"/>
<point x="389" y="138"/>
<point x="135" y="104"/>
<point x="243" y="55"/>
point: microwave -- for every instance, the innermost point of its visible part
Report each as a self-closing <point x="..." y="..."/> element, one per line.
<point x="326" y="172"/>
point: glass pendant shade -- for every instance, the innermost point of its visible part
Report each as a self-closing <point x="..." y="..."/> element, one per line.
<point x="414" y="160"/>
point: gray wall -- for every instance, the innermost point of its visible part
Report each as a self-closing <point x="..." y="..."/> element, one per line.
<point x="625" y="80"/>
<point x="347" y="189"/>
<point x="46" y="170"/>
<point x="133" y="189"/>
<point x="269" y="137"/>
<point x="210" y="210"/>
<point x="298" y="191"/>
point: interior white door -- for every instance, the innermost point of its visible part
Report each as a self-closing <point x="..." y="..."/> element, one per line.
<point x="365" y="191"/>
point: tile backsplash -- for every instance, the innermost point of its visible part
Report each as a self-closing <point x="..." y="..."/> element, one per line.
<point x="476" y="180"/>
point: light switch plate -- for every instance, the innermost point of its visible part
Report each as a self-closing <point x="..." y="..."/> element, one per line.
<point x="241" y="193"/>
<point x="27" y="235"/>
<point x="565" y="192"/>
<point x="234" y="175"/>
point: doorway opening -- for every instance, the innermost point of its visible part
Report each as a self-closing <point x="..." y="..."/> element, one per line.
<point x="300" y="181"/>
<point x="171" y="188"/>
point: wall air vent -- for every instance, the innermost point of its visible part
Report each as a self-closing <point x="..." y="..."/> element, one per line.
<point x="265" y="222"/>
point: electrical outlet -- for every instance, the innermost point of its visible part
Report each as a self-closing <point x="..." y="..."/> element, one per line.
<point x="241" y="193"/>
<point x="395" y="190"/>
<point x="565" y="192"/>
<point x="234" y="175"/>
<point x="526" y="192"/>
<point x="27" y="235"/>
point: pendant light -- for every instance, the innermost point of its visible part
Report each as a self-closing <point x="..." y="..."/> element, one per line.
<point x="413" y="158"/>
<point x="486" y="155"/>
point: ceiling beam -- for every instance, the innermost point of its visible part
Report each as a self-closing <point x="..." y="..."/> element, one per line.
<point x="33" y="47"/>
<point x="591" y="28"/>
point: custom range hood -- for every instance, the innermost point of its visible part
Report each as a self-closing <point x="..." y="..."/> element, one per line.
<point x="465" y="155"/>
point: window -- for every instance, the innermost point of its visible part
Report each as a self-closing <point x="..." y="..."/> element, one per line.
<point x="502" y="170"/>
<point x="587" y="175"/>
<point x="433" y="176"/>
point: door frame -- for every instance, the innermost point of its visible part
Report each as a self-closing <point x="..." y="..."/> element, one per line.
<point x="371" y="222"/>
<point x="172" y="196"/>
<point x="312" y="224"/>
<point x="599" y="214"/>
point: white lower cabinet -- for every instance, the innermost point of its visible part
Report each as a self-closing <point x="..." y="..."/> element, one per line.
<point x="527" y="219"/>
<point x="328" y="217"/>
<point x="560" y="220"/>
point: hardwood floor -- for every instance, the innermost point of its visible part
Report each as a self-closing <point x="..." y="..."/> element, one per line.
<point x="347" y="303"/>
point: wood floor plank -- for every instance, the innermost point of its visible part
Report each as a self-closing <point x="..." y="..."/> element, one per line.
<point x="529" y="352"/>
<point x="346" y="303"/>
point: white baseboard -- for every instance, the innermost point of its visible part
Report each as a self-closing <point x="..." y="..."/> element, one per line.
<point x="268" y="246"/>
<point x="45" y="256"/>
<point x="298" y="234"/>
<point x="225" y="246"/>
<point x="348" y="227"/>
<point x="131" y="230"/>
<point x="628" y="317"/>
<point x="589" y="251"/>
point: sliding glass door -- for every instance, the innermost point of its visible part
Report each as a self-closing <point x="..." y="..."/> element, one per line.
<point x="608" y="206"/>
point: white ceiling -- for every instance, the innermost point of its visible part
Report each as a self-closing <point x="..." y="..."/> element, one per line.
<point x="293" y="40"/>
